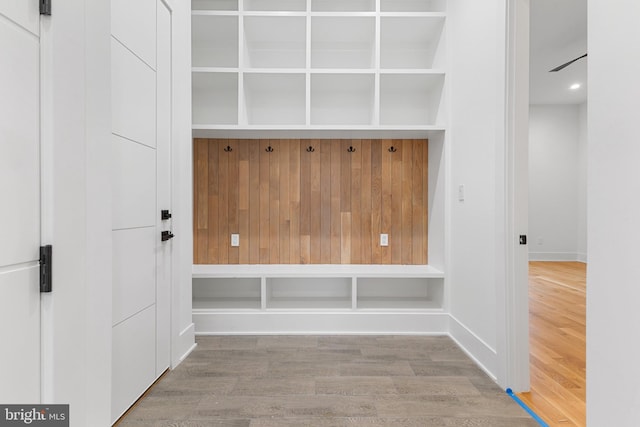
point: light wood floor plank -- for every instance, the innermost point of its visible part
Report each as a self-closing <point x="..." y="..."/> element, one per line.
<point x="557" y="319"/>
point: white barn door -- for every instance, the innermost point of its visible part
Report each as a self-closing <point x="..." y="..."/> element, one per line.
<point x="20" y="205"/>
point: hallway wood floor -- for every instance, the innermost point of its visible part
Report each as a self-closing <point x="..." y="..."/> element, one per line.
<point x="557" y="324"/>
<point x="327" y="381"/>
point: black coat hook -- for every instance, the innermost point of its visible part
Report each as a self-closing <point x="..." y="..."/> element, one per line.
<point x="351" y="149"/>
<point x="269" y="149"/>
<point x="310" y="149"/>
<point x="392" y="149"/>
<point x="228" y="149"/>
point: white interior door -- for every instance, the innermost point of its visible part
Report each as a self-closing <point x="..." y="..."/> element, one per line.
<point x="20" y="208"/>
<point x="141" y="164"/>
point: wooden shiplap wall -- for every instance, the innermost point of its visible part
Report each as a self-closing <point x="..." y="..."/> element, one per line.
<point x="318" y="205"/>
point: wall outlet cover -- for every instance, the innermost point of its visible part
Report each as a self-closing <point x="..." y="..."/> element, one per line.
<point x="235" y="240"/>
<point x="384" y="240"/>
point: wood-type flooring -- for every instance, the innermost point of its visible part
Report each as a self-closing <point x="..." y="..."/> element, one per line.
<point x="326" y="381"/>
<point x="557" y="324"/>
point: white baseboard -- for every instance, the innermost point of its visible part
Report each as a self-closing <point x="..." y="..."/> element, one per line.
<point x="555" y="256"/>
<point x="184" y="345"/>
<point x="481" y="353"/>
<point x="321" y="323"/>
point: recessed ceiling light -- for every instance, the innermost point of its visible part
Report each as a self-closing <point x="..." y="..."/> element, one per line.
<point x="575" y="86"/>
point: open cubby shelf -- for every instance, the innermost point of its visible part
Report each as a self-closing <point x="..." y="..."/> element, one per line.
<point x="326" y="287"/>
<point x="318" y="63"/>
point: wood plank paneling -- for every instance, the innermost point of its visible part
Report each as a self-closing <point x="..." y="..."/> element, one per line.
<point x="325" y="202"/>
<point x="306" y="154"/>
<point x="274" y="201"/>
<point x="201" y="199"/>
<point x="214" y="200"/>
<point x="407" y="193"/>
<point x="336" y="227"/>
<point x="254" y="207"/>
<point x="365" y="202"/>
<point x="376" y="200"/>
<point x="356" y="201"/>
<point x="387" y="204"/>
<point x="223" y="197"/>
<point x="263" y="201"/>
<point x="233" y="212"/>
<point x="294" y="196"/>
<point x="395" y="244"/>
<point x="243" y="201"/>
<point x="285" y="204"/>
<point x="345" y="243"/>
<point x="315" y="203"/>
<point x="214" y="186"/>
<point x="326" y="205"/>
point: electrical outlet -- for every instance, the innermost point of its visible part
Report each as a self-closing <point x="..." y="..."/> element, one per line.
<point x="384" y="240"/>
<point x="235" y="240"/>
<point x="461" y="192"/>
<point x="540" y="240"/>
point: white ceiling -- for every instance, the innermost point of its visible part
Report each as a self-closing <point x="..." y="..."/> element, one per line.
<point x="558" y="35"/>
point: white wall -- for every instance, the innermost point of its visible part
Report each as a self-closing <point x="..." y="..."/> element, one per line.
<point x="556" y="183"/>
<point x="613" y="275"/>
<point x="474" y="31"/>
<point x="582" y="181"/>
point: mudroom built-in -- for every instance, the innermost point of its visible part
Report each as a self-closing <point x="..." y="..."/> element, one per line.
<point x="318" y="166"/>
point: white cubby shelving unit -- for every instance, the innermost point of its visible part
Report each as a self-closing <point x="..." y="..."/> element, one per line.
<point x="318" y="65"/>
<point x="372" y="69"/>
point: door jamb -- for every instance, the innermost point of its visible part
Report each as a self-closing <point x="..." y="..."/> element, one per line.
<point x="513" y="304"/>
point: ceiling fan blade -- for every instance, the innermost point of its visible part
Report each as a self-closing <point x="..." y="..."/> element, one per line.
<point x="566" y="64"/>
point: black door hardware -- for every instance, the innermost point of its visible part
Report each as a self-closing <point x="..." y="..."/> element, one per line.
<point x="45" y="268"/>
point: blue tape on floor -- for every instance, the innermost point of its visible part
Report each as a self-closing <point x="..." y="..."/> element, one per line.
<point x="526" y="408"/>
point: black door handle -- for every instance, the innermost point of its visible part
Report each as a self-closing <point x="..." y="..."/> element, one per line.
<point x="166" y="235"/>
<point x="165" y="214"/>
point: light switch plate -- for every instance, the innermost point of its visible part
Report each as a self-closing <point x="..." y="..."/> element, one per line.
<point x="384" y="240"/>
<point x="235" y="240"/>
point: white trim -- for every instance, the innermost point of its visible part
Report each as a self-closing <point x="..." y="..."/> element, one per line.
<point x="315" y="270"/>
<point x="182" y="328"/>
<point x="185" y="343"/>
<point x="184" y="356"/>
<point x="479" y="351"/>
<point x="512" y="266"/>
<point x="557" y="256"/>
<point x="320" y="323"/>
